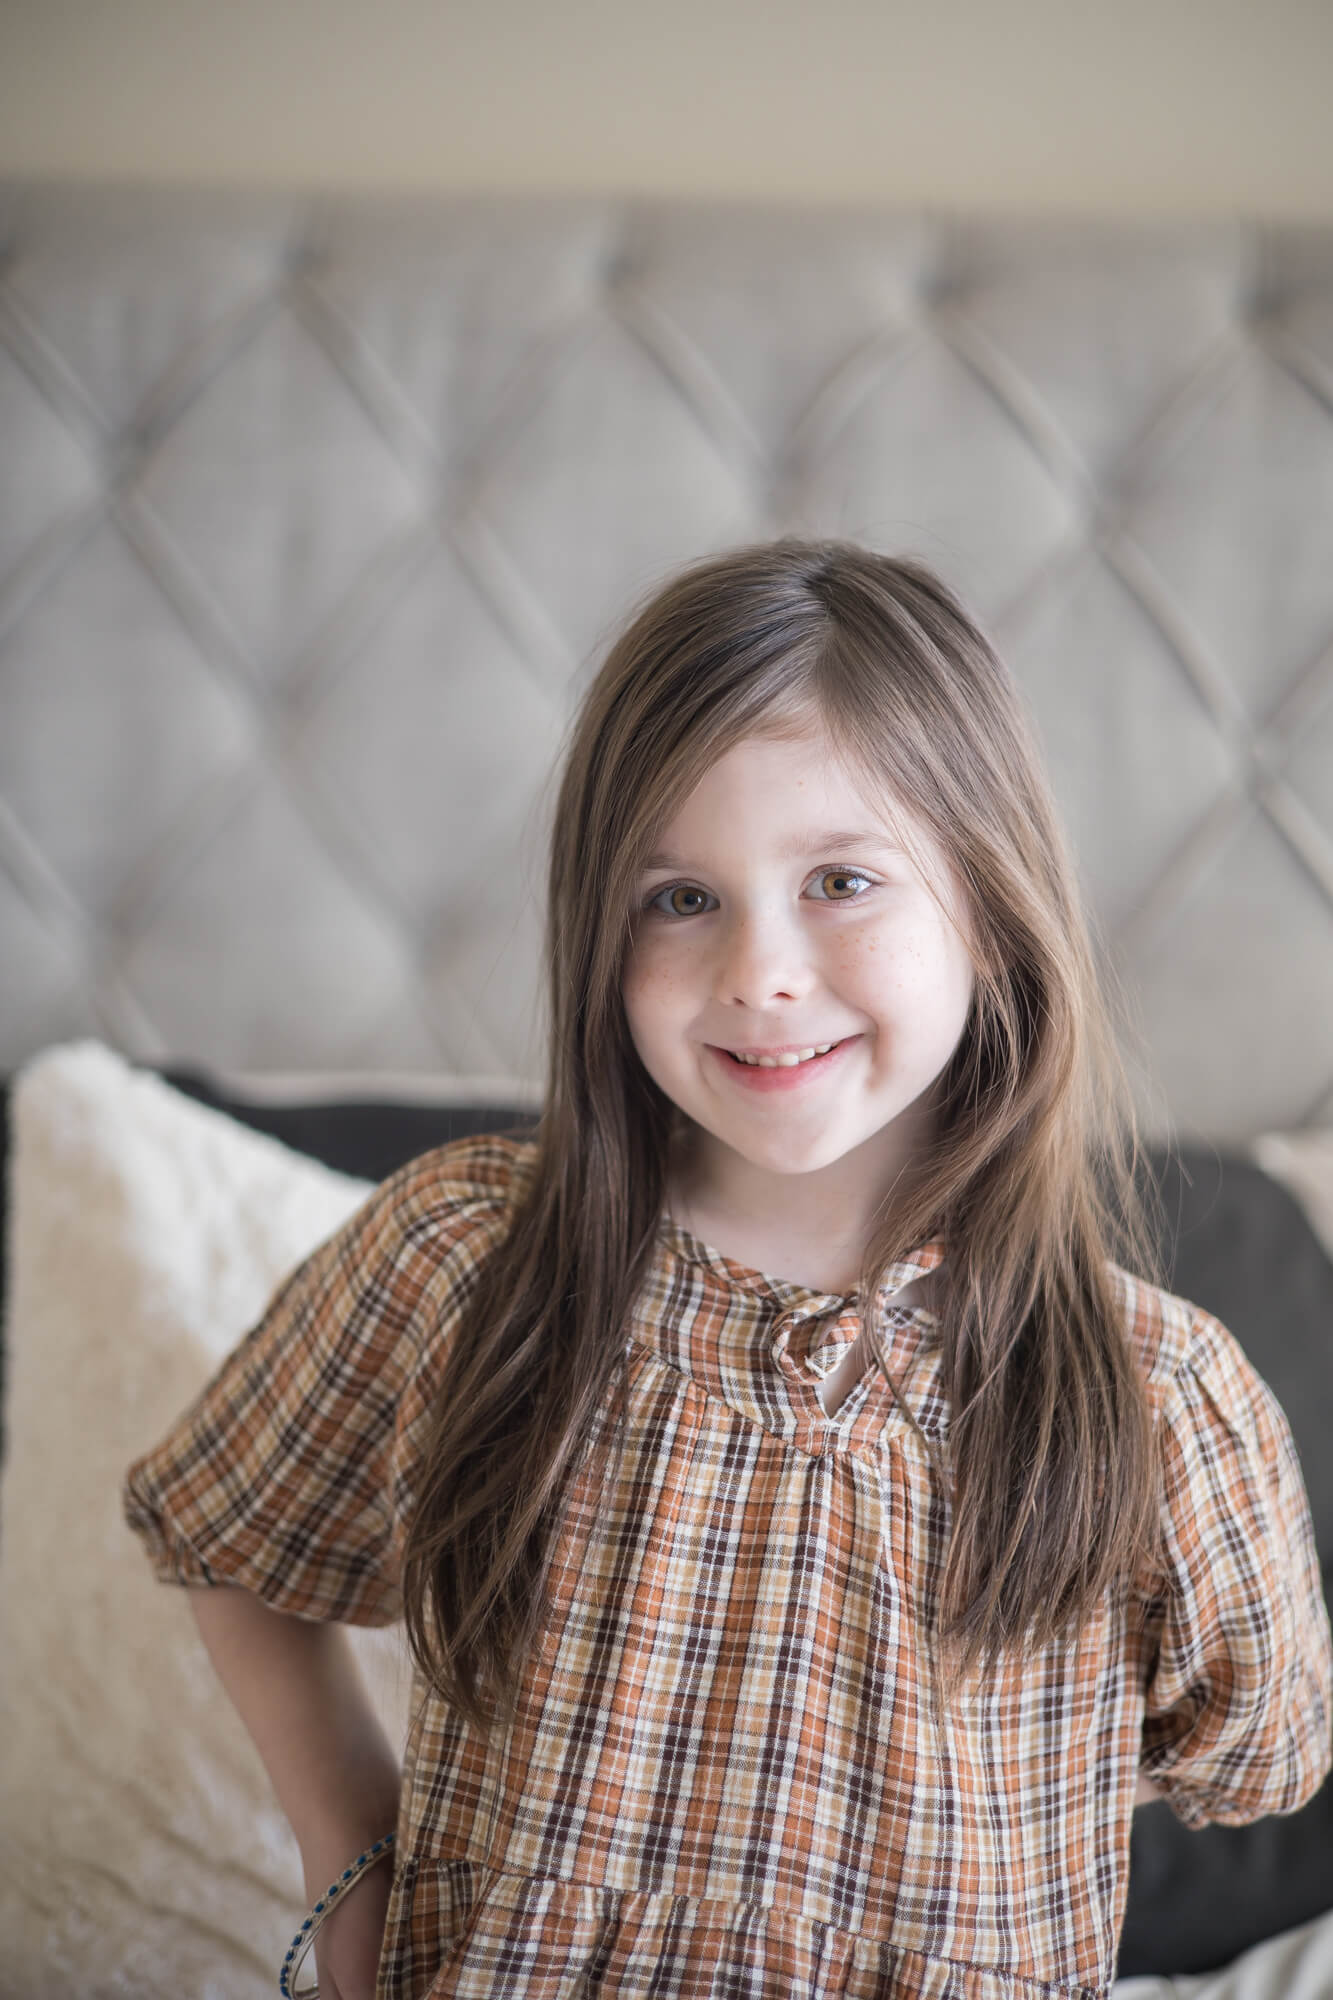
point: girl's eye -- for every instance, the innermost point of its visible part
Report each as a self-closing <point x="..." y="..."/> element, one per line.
<point x="679" y="894"/>
<point x="840" y="883"/>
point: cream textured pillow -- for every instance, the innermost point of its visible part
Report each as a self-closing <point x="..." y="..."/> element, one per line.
<point x="141" y="1849"/>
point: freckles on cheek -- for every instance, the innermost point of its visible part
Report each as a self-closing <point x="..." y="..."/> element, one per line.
<point x="884" y="966"/>
<point x="661" y="962"/>
<point x="864" y="961"/>
<point x="647" y="981"/>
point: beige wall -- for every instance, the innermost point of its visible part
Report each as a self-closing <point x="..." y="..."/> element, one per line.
<point x="1141" y="105"/>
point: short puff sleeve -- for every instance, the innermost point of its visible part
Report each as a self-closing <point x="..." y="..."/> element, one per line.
<point x="1239" y="1694"/>
<point x="290" y="1473"/>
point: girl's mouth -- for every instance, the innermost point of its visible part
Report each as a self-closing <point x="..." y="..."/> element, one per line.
<point x="785" y="1073"/>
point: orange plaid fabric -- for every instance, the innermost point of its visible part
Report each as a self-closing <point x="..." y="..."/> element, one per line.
<point x="725" y="1777"/>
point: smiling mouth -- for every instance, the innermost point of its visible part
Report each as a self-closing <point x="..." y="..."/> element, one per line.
<point x="792" y="1059"/>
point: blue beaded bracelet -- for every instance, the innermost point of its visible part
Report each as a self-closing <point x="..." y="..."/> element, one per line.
<point x="305" y="1937"/>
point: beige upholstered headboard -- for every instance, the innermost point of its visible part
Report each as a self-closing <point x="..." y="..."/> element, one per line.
<point x="314" y="518"/>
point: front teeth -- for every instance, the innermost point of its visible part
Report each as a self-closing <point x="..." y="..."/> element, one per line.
<point x="788" y="1061"/>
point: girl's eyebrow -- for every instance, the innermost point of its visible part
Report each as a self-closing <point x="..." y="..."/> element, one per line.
<point x="801" y="845"/>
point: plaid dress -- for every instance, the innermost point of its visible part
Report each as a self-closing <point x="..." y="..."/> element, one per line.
<point x="725" y="1777"/>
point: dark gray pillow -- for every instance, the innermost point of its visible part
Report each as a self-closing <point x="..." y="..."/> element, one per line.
<point x="1240" y="1245"/>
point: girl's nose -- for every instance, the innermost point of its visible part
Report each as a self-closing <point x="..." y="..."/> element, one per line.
<point x="761" y="959"/>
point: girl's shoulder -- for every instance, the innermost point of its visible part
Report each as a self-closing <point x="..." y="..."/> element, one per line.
<point x="1176" y="1341"/>
<point x="485" y="1170"/>
<point x="1157" y="1323"/>
<point x="459" y="1193"/>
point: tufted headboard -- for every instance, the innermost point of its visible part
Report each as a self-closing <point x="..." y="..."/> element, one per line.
<point x="316" y="516"/>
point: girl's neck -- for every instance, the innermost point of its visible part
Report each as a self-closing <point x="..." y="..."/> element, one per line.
<point x="809" y="1229"/>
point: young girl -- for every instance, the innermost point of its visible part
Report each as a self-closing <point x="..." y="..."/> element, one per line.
<point x="811" y="1518"/>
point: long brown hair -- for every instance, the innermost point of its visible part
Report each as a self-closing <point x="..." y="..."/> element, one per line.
<point x="1033" y="1182"/>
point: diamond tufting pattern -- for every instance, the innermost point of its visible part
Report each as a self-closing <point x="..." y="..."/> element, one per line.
<point x="315" y="517"/>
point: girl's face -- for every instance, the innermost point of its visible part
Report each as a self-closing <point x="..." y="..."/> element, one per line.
<point x="778" y="915"/>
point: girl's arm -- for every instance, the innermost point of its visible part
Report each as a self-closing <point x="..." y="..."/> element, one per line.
<point x="296" y="1686"/>
<point x="1145" y="1792"/>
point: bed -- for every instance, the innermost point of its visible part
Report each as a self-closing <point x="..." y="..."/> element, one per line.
<point x="314" y="518"/>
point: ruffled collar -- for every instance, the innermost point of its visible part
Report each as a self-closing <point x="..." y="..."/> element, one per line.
<point x="785" y="1292"/>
